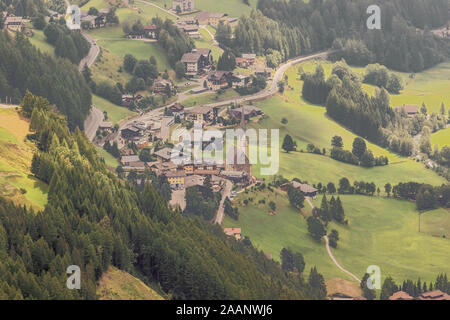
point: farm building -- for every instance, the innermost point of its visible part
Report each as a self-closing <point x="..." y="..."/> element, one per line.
<point x="233" y="232"/>
<point x="303" y="187"/>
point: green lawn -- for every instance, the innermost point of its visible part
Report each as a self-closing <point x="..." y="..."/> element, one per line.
<point x="15" y="162"/>
<point x="381" y="232"/>
<point x="115" y="113"/>
<point x="436" y="222"/>
<point x="206" y="42"/>
<point x="109" y="159"/>
<point x="38" y="40"/>
<point x="207" y="98"/>
<point x="441" y="138"/>
<point x="234" y="8"/>
<point x="106" y="68"/>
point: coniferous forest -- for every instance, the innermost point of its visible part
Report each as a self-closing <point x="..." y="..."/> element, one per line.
<point x="23" y="67"/>
<point x="293" y="28"/>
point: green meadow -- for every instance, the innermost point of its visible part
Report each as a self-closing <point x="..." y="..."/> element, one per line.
<point x="441" y="138"/>
<point x="110" y="161"/>
<point x="200" y="99"/>
<point x="234" y="8"/>
<point x="115" y="112"/>
<point x="38" y="40"/>
<point x="16" y="181"/>
<point x="381" y="232"/>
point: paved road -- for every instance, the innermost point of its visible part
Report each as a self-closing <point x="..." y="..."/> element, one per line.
<point x="225" y="193"/>
<point x="93" y="52"/>
<point x="327" y="244"/>
<point x="92" y="122"/>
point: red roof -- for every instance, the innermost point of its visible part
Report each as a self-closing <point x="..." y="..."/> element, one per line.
<point x="150" y="27"/>
<point x="400" y="295"/>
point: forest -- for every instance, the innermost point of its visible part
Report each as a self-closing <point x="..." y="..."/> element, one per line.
<point x="293" y="28"/>
<point x="23" y="67"/>
<point x="93" y="220"/>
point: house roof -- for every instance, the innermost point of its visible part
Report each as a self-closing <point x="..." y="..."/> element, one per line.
<point x="434" y="295"/>
<point x="208" y="15"/>
<point x="248" y="56"/>
<point x="247" y="110"/>
<point x="303" y="187"/>
<point x="105" y="124"/>
<point x="132" y="158"/>
<point x="409" y="108"/>
<point x="176" y="107"/>
<point x="88" y="18"/>
<point x="218" y="75"/>
<point x="191" y="57"/>
<point x="175" y="174"/>
<point x="10" y="19"/>
<point x="232" y="231"/>
<point x="164" y="153"/>
<point x="194" y="180"/>
<point x="400" y="295"/>
<point x="150" y="27"/>
<point x="199" y="110"/>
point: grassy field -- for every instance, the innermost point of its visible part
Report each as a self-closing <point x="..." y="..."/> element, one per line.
<point x="207" y="98"/>
<point x="234" y="8"/>
<point x="381" y="232"/>
<point x="15" y="162"/>
<point x="205" y="42"/>
<point x="436" y="222"/>
<point x="106" y="68"/>
<point x="384" y="232"/>
<point x="115" y="113"/>
<point x="109" y="159"/>
<point x="38" y="40"/>
<point x="431" y="87"/>
<point x="116" y="284"/>
<point x="441" y="138"/>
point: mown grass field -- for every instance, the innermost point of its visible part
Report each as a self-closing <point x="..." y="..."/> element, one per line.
<point x="234" y="8"/>
<point x="15" y="162"/>
<point x="206" y="42"/>
<point x="115" y="113"/>
<point x="381" y="232"/>
<point x="116" y="284"/>
<point x="436" y="222"/>
<point x="38" y="40"/>
<point x="441" y="138"/>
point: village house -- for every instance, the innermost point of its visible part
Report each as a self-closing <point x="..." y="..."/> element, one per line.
<point x="233" y="232"/>
<point x="400" y="295"/>
<point x="177" y="110"/>
<point x="197" y="61"/>
<point x="176" y="178"/>
<point x="182" y="5"/>
<point x="138" y="166"/>
<point x="262" y="71"/>
<point x="126" y="160"/>
<point x="211" y="18"/>
<point x="160" y="168"/>
<point x="240" y="80"/>
<point x="14" y="24"/>
<point x="193" y="180"/>
<point x="164" y="155"/>
<point x="131" y="133"/>
<point x="202" y="114"/>
<point x="411" y="110"/>
<point x="218" y="80"/>
<point x="106" y="126"/>
<point x="191" y="30"/>
<point x="249" y="112"/>
<point x="162" y="86"/>
<point x="303" y="187"/>
<point x="434" y="295"/>
<point x="250" y="58"/>
<point x="150" y="31"/>
<point x="128" y="99"/>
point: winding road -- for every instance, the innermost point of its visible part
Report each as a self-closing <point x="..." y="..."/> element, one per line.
<point x="327" y="244"/>
<point x="225" y="193"/>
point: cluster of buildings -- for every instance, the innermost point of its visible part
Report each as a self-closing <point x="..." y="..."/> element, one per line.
<point x="214" y="18"/>
<point x="13" y="23"/>
<point x="431" y="295"/>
